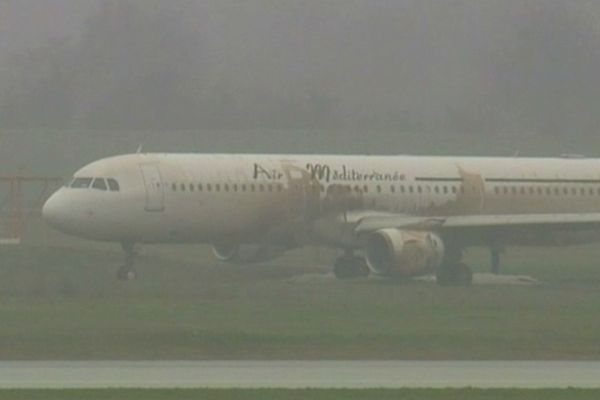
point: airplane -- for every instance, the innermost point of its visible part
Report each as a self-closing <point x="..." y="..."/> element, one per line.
<point x="392" y="216"/>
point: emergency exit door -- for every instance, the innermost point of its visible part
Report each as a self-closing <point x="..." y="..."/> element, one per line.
<point x="155" y="194"/>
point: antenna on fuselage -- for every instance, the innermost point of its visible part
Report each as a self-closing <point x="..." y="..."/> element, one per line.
<point x="516" y="155"/>
<point x="139" y="149"/>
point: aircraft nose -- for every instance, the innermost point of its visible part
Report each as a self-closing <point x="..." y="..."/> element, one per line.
<point x="55" y="211"/>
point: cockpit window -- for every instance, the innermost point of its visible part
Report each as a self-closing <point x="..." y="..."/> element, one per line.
<point x="113" y="185"/>
<point x="81" y="183"/>
<point x="100" y="184"/>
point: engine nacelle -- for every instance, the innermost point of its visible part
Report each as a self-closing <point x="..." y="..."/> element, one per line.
<point x="246" y="253"/>
<point x="403" y="253"/>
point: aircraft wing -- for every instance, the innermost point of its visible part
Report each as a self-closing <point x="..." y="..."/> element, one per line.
<point x="567" y="221"/>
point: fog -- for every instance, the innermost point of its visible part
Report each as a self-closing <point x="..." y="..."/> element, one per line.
<point x="85" y="79"/>
<point x="356" y="75"/>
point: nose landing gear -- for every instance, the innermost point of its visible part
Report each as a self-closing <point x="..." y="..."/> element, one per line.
<point x="495" y="259"/>
<point x="126" y="272"/>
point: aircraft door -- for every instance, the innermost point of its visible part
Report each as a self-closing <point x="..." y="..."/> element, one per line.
<point x="155" y="195"/>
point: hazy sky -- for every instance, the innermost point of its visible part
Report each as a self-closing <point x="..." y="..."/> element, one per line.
<point x="29" y="23"/>
<point x="493" y="65"/>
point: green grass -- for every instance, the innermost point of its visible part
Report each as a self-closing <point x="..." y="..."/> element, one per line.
<point x="59" y="300"/>
<point x="263" y="394"/>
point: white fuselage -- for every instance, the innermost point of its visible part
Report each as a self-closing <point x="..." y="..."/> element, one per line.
<point x="194" y="198"/>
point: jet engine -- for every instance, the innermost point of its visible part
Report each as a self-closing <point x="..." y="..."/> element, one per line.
<point x="246" y="253"/>
<point x="395" y="252"/>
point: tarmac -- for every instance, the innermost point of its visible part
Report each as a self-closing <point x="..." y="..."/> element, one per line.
<point x="299" y="374"/>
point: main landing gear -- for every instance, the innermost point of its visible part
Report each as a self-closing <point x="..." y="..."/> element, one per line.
<point x="349" y="266"/>
<point x="454" y="272"/>
<point x="126" y="272"/>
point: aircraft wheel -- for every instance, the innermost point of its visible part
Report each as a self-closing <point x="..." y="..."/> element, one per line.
<point x="125" y="274"/>
<point x="348" y="267"/>
<point x="456" y="274"/>
<point x="463" y="275"/>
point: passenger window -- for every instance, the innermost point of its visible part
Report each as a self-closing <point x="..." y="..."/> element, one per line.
<point x="199" y="187"/>
<point x="81" y="183"/>
<point x="182" y="186"/>
<point x="226" y="187"/>
<point x="393" y="189"/>
<point x="100" y="184"/>
<point x="192" y="187"/>
<point x="218" y="187"/>
<point x="174" y="187"/>
<point x="209" y="187"/>
<point x="113" y="185"/>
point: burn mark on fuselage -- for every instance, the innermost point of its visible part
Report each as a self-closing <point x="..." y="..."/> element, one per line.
<point x="309" y="199"/>
<point x="342" y="198"/>
<point x="469" y="197"/>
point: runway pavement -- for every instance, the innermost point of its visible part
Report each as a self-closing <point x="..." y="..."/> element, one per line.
<point x="300" y="374"/>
